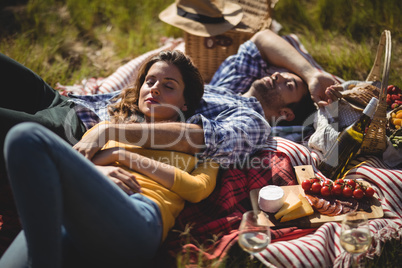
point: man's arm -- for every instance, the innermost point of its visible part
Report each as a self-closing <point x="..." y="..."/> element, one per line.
<point x="278" y="52"/>
<point x="181" y="137"/>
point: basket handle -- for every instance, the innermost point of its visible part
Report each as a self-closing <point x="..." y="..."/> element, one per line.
<point x="374" y="75"/>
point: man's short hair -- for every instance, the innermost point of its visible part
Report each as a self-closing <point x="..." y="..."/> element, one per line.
<point x="302" y="110"/>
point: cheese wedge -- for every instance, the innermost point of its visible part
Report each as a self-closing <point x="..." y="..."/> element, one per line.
<point x="292" y="201"/>
<point x="304" y="210"/>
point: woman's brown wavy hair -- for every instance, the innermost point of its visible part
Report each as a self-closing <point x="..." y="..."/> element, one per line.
<point x="126" y="110"/>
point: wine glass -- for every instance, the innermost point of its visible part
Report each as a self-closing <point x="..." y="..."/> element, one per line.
<point x="355" y="235"/>
<point x="254" y="232"/>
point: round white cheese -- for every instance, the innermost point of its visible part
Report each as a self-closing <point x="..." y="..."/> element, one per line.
<point x="271" y="198"/>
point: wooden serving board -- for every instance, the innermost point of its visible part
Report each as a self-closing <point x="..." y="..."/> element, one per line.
<point x="315" y="219"/>
<point x="304" y="172"/>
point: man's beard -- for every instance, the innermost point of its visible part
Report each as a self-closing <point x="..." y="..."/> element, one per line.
<point x="269" y="97"/>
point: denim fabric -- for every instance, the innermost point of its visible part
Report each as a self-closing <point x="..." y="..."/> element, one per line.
<point x="55" y="189"/>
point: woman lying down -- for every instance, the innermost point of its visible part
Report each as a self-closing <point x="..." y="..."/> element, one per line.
<point x="74" y="216"/>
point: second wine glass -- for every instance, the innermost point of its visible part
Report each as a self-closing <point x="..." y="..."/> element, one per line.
<point x="254" y="232"/>
<point x="355" y="235"/>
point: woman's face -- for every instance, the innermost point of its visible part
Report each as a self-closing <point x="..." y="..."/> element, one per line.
<point x="161" y="95"/>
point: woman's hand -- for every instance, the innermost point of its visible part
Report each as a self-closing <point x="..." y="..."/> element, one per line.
<point x="124" y="179"/>
<point x="121" y="177"/>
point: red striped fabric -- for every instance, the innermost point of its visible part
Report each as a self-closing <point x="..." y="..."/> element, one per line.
<point x="322" y="248"/>
<point x="219" y="215"/>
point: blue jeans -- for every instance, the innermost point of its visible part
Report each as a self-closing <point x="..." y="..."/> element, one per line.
<point x="70" y="212"/>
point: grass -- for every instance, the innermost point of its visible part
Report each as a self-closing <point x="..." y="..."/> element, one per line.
<point x="343" y="35"/>
<point x="67" y="40"/>
<point x="391" y="256"/>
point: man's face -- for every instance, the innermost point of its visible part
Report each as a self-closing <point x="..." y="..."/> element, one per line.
<point x="286" y="87"/>
<point x="277" y="91"/>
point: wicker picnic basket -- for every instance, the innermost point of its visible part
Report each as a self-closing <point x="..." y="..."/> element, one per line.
<point x="208" y="53"/>
<point x="375" y="140"/>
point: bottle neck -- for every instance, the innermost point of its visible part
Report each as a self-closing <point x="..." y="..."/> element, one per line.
<point x="365" y="119"/>
<point x="371" y="107"/>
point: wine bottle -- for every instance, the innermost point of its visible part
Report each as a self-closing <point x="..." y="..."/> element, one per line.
<point x="347" y="144"/>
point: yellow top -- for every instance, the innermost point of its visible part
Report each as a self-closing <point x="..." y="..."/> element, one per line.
<point x="193" y="182"/>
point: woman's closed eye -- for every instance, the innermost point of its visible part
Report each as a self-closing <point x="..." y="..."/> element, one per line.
<point x="150" y="82"/>
<point x="171" y="83"/>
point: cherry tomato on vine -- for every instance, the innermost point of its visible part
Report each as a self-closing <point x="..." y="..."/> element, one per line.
<point x="337" y="189"/>
<point x="351" y="183"/>
<point x="306" y="185"/>
<point x="315" y="179"/>
<point x="326" y="182"/>
<point x="316" y="187"/>
<point x="347" y="191"/>
<point x="339" y="181"/>
<point x="369" y="192"/>
<point x="325" y="191"/>
<point x="358" y="193"/>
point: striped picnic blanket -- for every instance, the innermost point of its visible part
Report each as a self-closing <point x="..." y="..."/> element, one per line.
<point x="322" y="248"/>
<point x="220" y="214"/>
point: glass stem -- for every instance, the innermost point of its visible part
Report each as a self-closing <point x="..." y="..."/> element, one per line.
<point x="356" y="258"/>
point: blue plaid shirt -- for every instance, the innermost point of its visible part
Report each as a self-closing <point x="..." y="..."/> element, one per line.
<point x="92" y="109"/>
<point x="239" y="71"/>
<point x="234" y="126"/>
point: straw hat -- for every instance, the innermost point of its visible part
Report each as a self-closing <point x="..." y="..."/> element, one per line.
<point x="203" y="17"/>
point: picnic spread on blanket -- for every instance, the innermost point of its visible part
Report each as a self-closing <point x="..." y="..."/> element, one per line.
<point x="302" y="232"/>
<point x="312" y="240"/>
